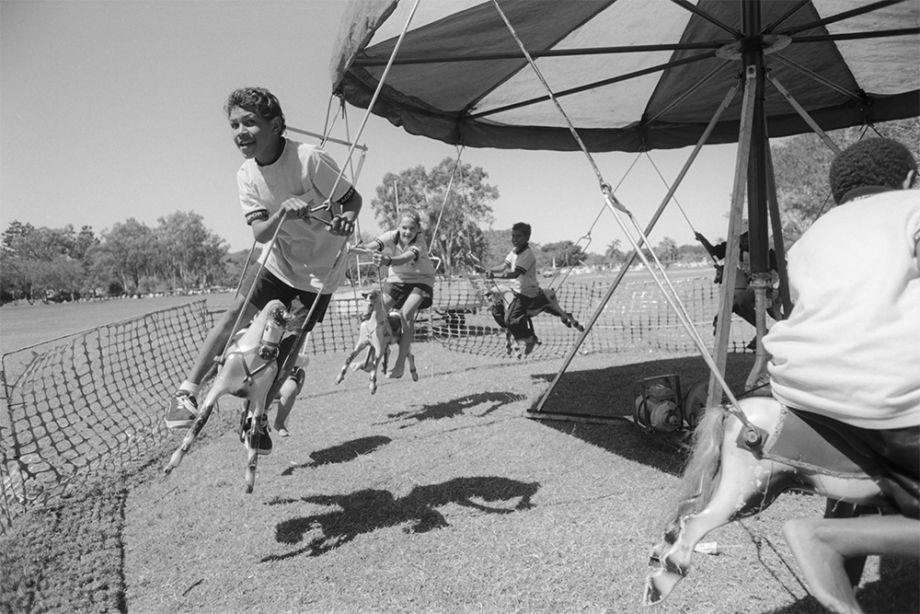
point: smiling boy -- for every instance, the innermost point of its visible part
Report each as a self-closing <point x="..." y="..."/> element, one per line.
<point x="281" y="181"/>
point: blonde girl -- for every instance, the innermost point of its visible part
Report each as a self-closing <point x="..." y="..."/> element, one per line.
<point x="410" y="283"/>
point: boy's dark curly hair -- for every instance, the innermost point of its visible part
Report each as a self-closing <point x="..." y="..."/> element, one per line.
<point x="870" y="162"/>
<point x="522" y="227"/>
<point x="256" y="100"/>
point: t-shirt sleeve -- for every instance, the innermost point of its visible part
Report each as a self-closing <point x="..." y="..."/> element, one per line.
<point x="253" y="208"/>
<point x="526" y="261"/>
<point x="387" y="240"/>
<point x="323" y="172"/>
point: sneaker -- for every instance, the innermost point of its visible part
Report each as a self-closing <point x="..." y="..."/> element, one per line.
<point x="183" y="409"/>
<point x="265" y="441"/>
<point x="529" y="344"/>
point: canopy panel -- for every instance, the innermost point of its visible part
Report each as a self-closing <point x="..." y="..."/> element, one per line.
<point x="632" y="75"/>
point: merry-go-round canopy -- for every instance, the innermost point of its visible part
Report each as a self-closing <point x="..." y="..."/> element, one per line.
<point x="632" y="75"/>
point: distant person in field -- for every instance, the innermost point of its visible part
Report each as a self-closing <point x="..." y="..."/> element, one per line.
<point x="847" y="360"/>
<point x="410" y="283"/>
<point x="279" y="177"/>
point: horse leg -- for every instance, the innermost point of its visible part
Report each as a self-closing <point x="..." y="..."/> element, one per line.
<point x="258" y="404"/>
<point x="251" y="439"/>
<point x="200" y="420"/>
<point x="360" y="346"/>
<point x="746" y="485"/>
<point x="412" y="370"/>
<point x="380" y="356"/>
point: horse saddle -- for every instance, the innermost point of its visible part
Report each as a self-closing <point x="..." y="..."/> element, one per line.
<point x="812" y="446"/>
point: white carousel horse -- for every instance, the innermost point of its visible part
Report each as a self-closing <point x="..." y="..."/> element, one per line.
<point x="377" y="333"/>
<point x="726" y="480"/>
<point x="247" y="370"/>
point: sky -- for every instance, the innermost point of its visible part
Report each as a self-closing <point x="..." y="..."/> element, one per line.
<point x="113" y="109"/>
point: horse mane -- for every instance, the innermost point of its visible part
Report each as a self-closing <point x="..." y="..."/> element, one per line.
<point x="699" y="478"/>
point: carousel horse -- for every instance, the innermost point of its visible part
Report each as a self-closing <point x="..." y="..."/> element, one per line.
<point x="379" y="330"/>
<point x="247" y="370"/>
<point x="499" y="297"/>
<point x="727" y="479"/>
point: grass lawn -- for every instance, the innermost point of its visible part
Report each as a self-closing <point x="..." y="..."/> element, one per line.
<point x="430" y="496"/>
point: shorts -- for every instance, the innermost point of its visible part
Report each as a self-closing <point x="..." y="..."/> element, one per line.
<point x="399" y="292"/>
<point x="268" y="288"/>
<point x="891" y="456"/>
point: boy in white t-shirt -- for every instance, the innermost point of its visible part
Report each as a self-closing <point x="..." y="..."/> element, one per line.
<point x="847" y="360"/>
<point x="520" y="269"/>
<point x="279" y="177"/>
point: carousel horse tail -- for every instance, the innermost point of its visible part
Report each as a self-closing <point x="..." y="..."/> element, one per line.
<point x="701" y="472"/>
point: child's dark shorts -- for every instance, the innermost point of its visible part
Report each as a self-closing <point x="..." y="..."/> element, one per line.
<point x="891" y="456"/>
<point x="268" y="287"/>
<point x="400" y="292"/>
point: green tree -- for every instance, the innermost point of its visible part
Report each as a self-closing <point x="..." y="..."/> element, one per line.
<point x="563" y="253"/>
<point x="666" y="251"/>
<point x="132" y="250"/>
<point x="452" y="226"/>
<point x="614" y="254"/>
<point x="191" y="255"/>
<point x="42" y="263"/>
<point x="801" y="165"/>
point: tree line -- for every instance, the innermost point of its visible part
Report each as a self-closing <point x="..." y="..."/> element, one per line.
<point x="454" y="200"/>
<point x="58" y="264"/>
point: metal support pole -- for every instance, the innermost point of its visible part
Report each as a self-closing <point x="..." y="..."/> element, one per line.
<point x="732" y="250"/>
<point x="729" y="96"/>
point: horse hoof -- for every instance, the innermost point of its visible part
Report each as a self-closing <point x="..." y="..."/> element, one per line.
<point x="651" y="596"/>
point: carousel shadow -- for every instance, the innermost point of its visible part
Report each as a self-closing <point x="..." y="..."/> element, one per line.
<point x="481" y="404"/>
<point x="364" y="511"/>
<point x="341" y="453"/>
<point x="598" y="406"/>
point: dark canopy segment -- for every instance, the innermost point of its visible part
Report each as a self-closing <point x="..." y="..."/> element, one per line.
<point x="632" y="75"/>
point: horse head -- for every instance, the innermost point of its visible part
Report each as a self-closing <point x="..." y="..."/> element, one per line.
<point x="270" y="324"/>
<point x="371" y="300"/>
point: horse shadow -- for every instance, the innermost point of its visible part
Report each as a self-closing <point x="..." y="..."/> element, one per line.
<point x="608" y="395"/>
<point x="341" y="453"/>
<point x="492" y="401"/>
<point x="368" y="510"/>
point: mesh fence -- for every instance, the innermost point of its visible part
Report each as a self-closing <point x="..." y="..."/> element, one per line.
<point x="636" y="316"/>
<point x="80" y="404"/>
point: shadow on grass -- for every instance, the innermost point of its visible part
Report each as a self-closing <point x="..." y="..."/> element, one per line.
<point x="342" y="453"/>
<point x="609" y="395"/>
<point x="482" y="403"/>
<point x="367" y="510"/>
